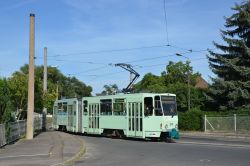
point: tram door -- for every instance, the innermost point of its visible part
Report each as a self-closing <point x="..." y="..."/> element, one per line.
<point x="94" y="115"/>
<point x="70" y="118"/>
<point x="55" y="111"/>
<point x="79" y="114"/>
<point x="135" y="125"/>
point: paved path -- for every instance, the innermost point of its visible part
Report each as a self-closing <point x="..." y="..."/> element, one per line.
<point x="48" y="148"/>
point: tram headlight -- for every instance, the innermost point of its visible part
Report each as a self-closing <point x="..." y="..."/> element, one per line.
<point x="176" y="126"/>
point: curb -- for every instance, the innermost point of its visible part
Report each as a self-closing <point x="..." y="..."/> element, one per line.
<point x="76" y="156"/>
<point x="215" y="136"/>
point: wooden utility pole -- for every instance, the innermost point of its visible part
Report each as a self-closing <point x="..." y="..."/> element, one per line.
<point x="30" y="118"/>
<point x="44" y="87"/>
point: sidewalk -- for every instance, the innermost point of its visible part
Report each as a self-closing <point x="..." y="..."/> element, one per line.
<point x="215" y="135"/>
<point x="50" y="148"/>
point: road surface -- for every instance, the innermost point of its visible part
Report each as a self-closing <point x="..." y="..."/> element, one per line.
<point x="186" y="152"/>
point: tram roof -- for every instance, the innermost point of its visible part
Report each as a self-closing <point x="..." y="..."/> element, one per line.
<point x="119" y="95"/>
<point x="123" y="95"/>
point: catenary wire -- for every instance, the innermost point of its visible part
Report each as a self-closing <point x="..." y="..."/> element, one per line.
<point x="166" y="21"/>
<point x="138" y="60"/>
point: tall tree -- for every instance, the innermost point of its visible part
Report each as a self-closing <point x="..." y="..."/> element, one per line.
<point x="231" y="88"/>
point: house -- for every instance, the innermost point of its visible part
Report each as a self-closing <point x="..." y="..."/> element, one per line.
<point x="201" y="83"/>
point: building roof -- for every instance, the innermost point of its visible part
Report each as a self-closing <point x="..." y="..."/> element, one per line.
<point x="201" y="83"/>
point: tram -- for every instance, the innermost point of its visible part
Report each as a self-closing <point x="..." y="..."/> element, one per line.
<point x="137" y="115"/>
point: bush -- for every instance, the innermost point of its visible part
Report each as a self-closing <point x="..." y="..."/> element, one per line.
<point x="191" y="120"/>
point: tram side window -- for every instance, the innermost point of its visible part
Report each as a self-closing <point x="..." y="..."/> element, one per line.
<point x="106" y="107"/>
<point x="158" y="108"/>
<point x="60" y="108"/>
<point x="148" y="106"/>
<point x="64" y="107"/>
<point x="169" y="105"/>
<point x="119" y="107"/>
<point x="74" y="107"/>
<point x="85" y="106"/>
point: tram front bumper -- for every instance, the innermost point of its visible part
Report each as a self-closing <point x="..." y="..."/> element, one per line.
<point x="153" y="134"/>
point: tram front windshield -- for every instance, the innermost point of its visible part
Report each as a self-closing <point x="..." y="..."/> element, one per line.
<point x="169" y="105"/>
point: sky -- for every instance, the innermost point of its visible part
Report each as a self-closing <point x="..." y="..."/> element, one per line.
<point x="85" y="38"/>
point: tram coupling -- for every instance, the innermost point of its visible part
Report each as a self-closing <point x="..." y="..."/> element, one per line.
<point x="170" y="136"/>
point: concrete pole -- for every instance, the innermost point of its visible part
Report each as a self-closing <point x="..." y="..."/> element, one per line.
<point x="30" y="118"/>
<point x="44" y="87"/>
<point x="188" y="90"/>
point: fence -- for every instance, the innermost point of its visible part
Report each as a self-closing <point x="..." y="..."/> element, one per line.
<point x="227" y="124"/>
<point x="2" y="135"/>
<point x="16" y="130"/>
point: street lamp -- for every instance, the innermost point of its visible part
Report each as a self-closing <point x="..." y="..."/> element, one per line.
<point x="188" y="77"/>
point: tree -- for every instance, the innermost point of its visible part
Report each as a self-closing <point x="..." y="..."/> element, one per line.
<point x="18" y="84"/>
<point x="4" y="97"/>
<point x="72" y="87"/>
<point x="179" y="72"/>
<point x="110" y="89"/>
<point x="174" y="80"/>
<point x="232" y="63"/>
<point x="151" y="83"/>
<point x="68" y="87"/>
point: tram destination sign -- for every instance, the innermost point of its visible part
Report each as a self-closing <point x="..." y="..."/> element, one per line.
<point x="168" y="98"/>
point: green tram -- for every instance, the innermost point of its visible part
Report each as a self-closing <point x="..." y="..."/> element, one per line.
<point x="138" y="115"/>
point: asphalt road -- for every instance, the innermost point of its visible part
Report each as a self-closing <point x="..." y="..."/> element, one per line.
<point x="186" y="152"/>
